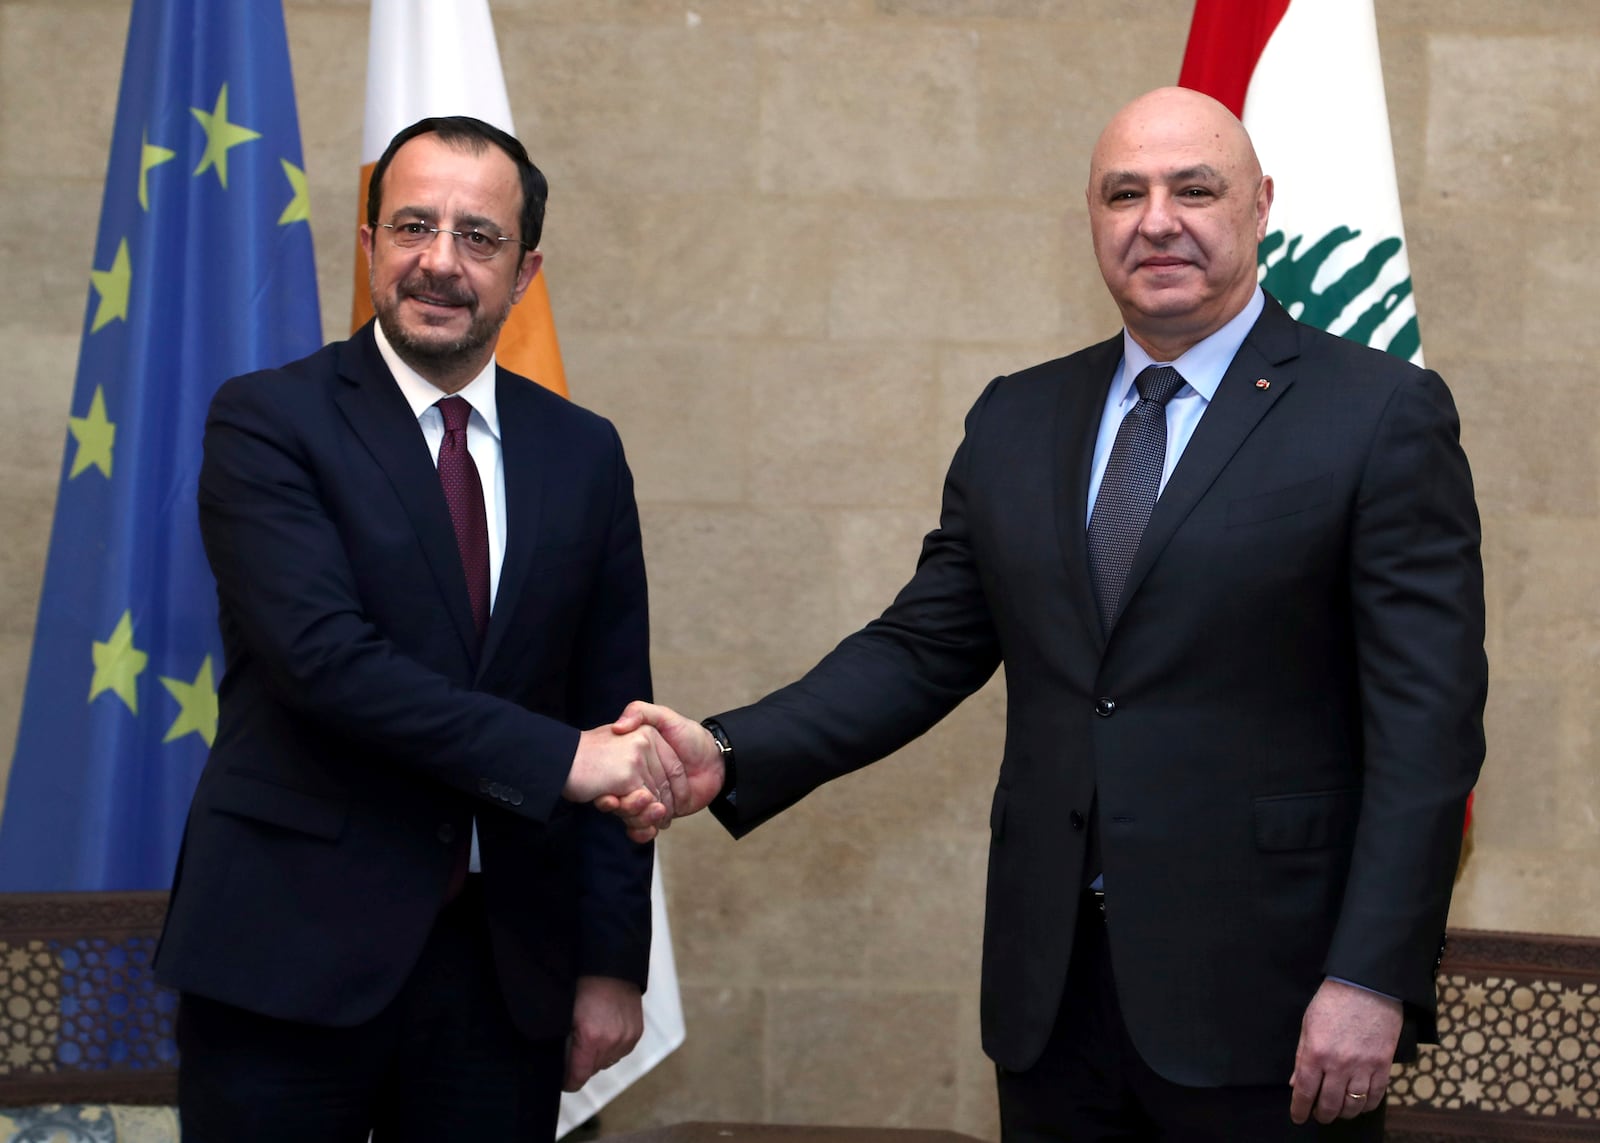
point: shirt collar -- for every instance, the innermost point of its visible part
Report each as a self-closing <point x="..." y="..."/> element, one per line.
<point x="422" y="394"/>
<point x="1204" y="362"/>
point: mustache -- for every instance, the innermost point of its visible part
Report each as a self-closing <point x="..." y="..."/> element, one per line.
<point x="438" y="289"/>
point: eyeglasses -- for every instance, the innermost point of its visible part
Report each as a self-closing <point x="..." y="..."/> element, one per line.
<point x="479" y="245"/>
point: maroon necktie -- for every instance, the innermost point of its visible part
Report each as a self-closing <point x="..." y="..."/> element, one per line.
<point x="463" y="492"/>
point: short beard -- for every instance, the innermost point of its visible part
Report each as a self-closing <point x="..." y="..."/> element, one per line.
<point x="431" y="356"/>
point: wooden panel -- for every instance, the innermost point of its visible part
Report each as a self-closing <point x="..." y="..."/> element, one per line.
<point x="81" y="1017"/>
<point x="1519" y="1051"/>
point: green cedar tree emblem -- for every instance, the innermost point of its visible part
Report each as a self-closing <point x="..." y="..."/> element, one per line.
<point x="1290" y="278"/>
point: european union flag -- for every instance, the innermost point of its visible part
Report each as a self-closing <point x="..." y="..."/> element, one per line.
<point x="203" y="269"/>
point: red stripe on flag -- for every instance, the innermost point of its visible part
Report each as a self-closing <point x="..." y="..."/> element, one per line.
<point x="1225" y="41"/>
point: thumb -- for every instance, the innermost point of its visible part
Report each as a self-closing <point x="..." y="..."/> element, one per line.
<point x="631" y="718"/>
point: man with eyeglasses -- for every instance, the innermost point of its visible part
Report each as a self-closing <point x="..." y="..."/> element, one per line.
<point x="395" y="910"/>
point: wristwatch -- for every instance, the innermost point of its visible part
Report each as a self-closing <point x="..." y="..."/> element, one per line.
<point x="729" y="792"/>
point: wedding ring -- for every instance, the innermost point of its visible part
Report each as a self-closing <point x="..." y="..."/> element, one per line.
<point x="1353" y="1095"/>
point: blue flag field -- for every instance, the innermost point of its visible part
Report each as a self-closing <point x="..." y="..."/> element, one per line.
<point x="202" y="270"/>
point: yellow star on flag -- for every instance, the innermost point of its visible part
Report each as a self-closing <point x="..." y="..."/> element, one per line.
<point x="220" y="136"/>
<point x="95" y="436"/>
<point x="197" y="705"/>
<point x="112" y="286"/>
<point x="299" y="208"/>
<point x="150" y="157"/>
<point x="118" y="664"/>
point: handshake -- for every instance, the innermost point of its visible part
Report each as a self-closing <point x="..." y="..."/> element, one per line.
<point x="648" y="767"/>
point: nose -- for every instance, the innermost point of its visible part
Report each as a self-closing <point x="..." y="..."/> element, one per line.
<point x="441" y="256"/>
<point x="1159" y="220"/>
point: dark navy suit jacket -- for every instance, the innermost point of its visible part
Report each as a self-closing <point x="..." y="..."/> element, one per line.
<point x="360" y="733"/>
<point x="1280" y="730"/>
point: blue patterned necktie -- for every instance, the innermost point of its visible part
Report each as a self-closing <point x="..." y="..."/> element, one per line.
<point x="1129" y="487"/>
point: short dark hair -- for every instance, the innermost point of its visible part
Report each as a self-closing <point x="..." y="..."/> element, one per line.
<point x="469" y="134"/>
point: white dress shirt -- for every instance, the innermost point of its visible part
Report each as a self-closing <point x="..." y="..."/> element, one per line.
<point x="483" y="442"/>
<point x="483" y="439"/>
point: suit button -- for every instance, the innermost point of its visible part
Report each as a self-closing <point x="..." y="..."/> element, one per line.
<point x="447" y="833"/>
<point x="483" y="785"/>
<point x="1076" y="819"/>
<point x="516" y="797"/>
<point x="1105" y="707"/>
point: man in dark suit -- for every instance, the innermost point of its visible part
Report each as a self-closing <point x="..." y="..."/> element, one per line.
<point x="429" y="575"/>
<point x="1242" y="723"/>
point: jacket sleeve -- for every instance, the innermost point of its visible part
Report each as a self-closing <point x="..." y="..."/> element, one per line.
<point x="1416" y="590"/>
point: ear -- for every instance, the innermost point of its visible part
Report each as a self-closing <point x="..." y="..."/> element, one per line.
<point x="366" y="235"/>
<point x="1263" y="206"/>
<point x="531" y="261"/>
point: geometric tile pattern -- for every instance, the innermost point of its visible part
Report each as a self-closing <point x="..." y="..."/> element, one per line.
<point x="113" y="1015"/>
<point x="1510" y="1044"/>
<point x="85" y="1004"/>
<point x="30" y="1006"/>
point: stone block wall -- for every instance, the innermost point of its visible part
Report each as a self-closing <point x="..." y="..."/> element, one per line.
<point x="788" y="243"/>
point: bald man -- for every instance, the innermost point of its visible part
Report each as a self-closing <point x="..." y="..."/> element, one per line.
<point x="1243" y="719"/>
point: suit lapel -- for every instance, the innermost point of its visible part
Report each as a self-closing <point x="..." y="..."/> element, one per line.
<point x="380" y="416"/>
<point x="528" y="457"/>
<point x="1266" y="354"/>
<point x="1078" y="413"/>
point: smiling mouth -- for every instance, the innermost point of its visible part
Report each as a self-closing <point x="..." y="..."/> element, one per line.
<point x="434" y="301"/>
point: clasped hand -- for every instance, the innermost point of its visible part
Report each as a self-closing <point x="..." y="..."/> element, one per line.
<point x="648" y="767"/>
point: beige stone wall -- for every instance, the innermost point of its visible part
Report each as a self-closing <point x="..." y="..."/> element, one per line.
<point x="789" y="241"/>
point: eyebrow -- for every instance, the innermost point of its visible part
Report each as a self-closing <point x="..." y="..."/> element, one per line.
<point x="1200" y="172"/>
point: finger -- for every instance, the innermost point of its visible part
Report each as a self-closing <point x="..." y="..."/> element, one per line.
<point x="632" y="805"/>
<point x="657" y="756"/>
<point x="646" y="743"/>
<point x="574" y="1079"/>
<point x="640" y="813"/>
<point x="677" y="774"/>
<point x="1332" y="1100"/>
<point x="581" y="1064"/>
<point x="643" y="817"/>
<point x="1377" y="1084"/>
<point x="639" y="829"/>
<point x="1306" y="1082"/>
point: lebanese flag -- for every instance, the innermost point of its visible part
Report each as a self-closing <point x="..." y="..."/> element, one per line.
<point x="439" y="57"/>
<point x="1304" y="77"/>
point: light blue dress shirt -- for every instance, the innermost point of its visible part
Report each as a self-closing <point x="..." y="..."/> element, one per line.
<point x="1202" y="366"/>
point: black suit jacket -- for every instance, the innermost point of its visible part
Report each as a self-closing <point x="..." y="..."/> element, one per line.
<point x="1282" y="726"/>
<point x="359" y="733"/>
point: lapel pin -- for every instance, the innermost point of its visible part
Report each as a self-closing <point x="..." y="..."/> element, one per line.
<point x="1263" y="383"/>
